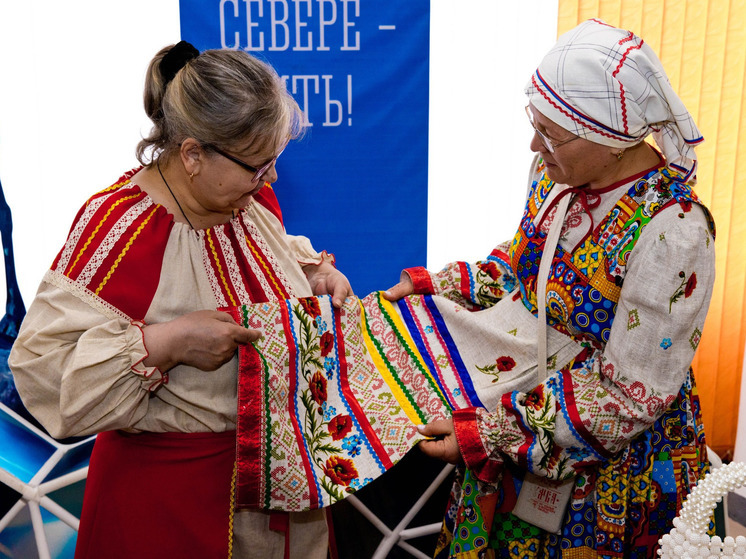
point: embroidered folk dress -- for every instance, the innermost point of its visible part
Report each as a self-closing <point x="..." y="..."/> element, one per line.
<point x="160" y="483"/>
<point x="623" y="416"/>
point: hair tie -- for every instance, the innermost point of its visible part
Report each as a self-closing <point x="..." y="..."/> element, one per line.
<point x="175" y="59"/>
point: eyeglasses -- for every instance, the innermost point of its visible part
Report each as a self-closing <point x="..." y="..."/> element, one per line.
<point x="550" y="144"/>
<point x="258" y="173"/>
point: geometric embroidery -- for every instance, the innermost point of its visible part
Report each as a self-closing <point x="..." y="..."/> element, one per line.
<point x="695" y="338"/>
<point x="633" y="320"/>
<point x="330" y="398"/>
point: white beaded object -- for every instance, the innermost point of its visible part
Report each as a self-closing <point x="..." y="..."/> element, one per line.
<point x="688" y="537"/>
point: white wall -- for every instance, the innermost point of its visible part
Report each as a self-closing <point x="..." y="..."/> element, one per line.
<point x="71" y="79"/>
<point x="70" y="114"/>
<point x="482" y="54"/>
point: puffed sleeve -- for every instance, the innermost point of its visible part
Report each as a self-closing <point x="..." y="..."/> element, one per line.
<point x="79" y="371"/>
<point x="305" y="253"/>
<point x="593" y="409"/>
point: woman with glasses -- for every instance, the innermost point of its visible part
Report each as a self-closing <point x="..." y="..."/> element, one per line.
<point x="594" y="457"/>
<point x="125" y="338"/>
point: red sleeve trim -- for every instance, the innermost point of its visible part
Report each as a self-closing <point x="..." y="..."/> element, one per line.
<point x="325" y="257"/>
<point x="471" y="447"/>
<point x="421" y="280"/>
<point x="144" y="372"/>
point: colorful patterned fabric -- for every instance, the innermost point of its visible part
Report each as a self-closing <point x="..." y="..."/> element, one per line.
<point x="584" y="285"/>
<point x="608" y="86"/>
<point x="619" y="509"/>
<point x="617" y="418"/>
<point x="330" y="399"/>
<point x="347" y="387"/>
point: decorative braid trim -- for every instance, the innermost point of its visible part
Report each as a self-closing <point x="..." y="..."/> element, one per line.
<point x="86" y="295"/>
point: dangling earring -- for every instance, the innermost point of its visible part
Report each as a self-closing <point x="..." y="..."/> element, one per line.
<point x="191" y="175"/>
<point x="619" y="155"/>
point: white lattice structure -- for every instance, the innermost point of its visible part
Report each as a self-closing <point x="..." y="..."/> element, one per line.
<point x="34" y="465"/>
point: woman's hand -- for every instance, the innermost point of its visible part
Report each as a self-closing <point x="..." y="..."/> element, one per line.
<point x="443" y="445"/>
<point x="400" y="290"/>
<point x="325" y="279"/>
<point x="201" y="339"/>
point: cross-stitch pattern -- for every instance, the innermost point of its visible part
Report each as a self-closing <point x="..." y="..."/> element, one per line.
<point x="329" y="399"/>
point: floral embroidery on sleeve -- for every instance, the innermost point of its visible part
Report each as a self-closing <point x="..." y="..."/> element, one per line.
<point x="686" y="288"/>
<point x="474" y="286"/>
<point x="490" y="283"/>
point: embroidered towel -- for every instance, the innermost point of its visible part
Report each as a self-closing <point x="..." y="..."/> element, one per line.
<point x="329" y="399"/>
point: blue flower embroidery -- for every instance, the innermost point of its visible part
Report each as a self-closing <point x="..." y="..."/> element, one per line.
<point x="666" y="343"/>
<point x="429" y="329"/>
<point x="588" y="364"/>
<point x="330" y="363"/>
<point x="352" y="445"/>
<point x="509" y="283"/>
<point x="357" y="484"/>
<point x="329" y="411"/>
<point x="577" y="453"/>
<point x="320" y="324"/>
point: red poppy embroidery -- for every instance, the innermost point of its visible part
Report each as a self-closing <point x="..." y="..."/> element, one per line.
<point x="491" y="269"/>
<point x="686" y="288"/>
<point x="318" y="388"/>
<point x="691" y="284"/>
<point x="311" y="306"/>
<point x="339" y="426"/>
<point x="535" y="398"/>
<point x="326" y="343"/>
<point x="505" y="363"/>
<point x="340" y="470"/>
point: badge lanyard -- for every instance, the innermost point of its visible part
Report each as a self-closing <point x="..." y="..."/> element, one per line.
<point x="543" y="502"/>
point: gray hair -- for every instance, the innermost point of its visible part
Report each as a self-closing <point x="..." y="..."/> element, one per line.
<point x="223" y="98"/>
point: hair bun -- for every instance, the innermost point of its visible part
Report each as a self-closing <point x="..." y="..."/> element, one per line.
<point x="175" y="59"/>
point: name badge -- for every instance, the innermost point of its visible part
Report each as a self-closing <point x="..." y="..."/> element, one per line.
<point x="543" y="502"/>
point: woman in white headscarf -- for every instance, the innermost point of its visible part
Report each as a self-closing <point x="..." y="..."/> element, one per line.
<point x="617" y="430"/>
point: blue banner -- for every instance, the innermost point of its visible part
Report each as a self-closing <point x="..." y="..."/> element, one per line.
<point x="356" y="184"/>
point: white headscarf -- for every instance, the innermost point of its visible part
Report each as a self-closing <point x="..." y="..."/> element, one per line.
<point x="607" y="85"/>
